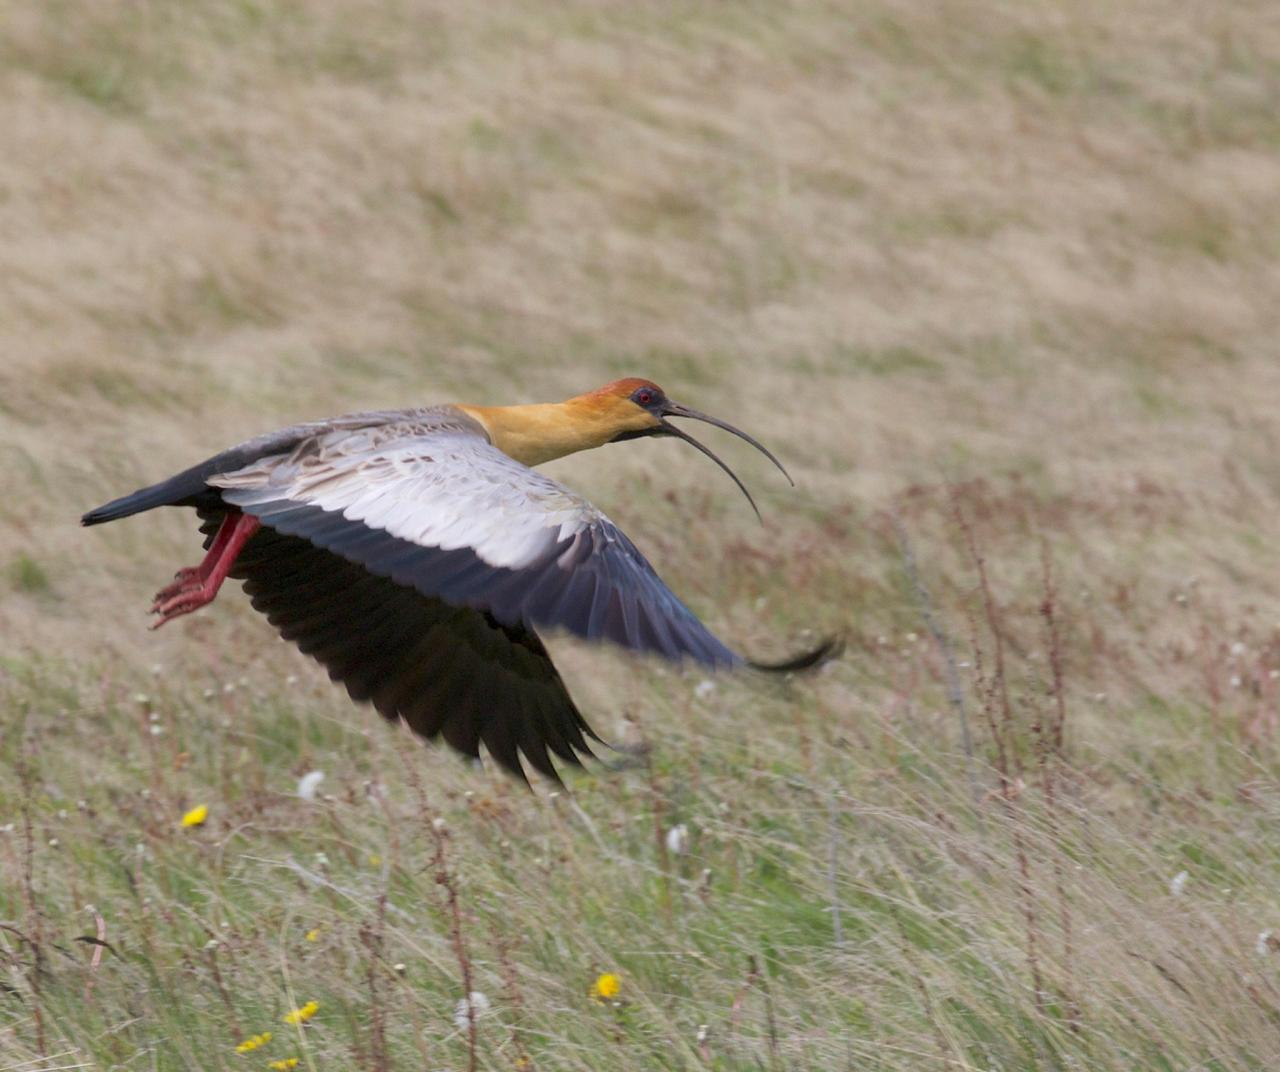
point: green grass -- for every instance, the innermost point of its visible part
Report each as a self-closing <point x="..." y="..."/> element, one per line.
<point x="841" y="897"/>
<point x="27" y="575"/>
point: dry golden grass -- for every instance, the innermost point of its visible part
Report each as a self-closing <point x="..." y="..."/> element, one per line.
<point x="1018" y="261"/>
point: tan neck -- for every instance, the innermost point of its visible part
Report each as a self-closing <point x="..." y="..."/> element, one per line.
<point x="538" y="433"/>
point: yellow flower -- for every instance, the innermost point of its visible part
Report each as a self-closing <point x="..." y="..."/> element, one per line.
<point x="253" y="1042"/>
<point x="302" y="1015"/>
<point x="284" y="1063"/>
<point x="196" y="816"/>
<point x="313" y="935"/>
<point x="606" y="988"/>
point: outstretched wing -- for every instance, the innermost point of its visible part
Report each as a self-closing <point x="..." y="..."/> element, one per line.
<point x="448" y="671"/>
<point x="434" y="506"/>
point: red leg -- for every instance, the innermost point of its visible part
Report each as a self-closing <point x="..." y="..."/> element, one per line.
<point x="190" y="576"/>
<point x="195" y="587"/>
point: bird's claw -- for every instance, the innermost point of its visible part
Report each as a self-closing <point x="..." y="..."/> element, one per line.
<point x="177" y="607"/>
<point x="185" y="580"/>
<point x="186" y="594"/>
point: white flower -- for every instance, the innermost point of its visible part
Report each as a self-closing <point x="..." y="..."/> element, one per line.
<point x="1237" y="648"/>
<point x="309" y="783"/>
<point x="678" y="840"/>
<point x="1264" y="945"/>
<point x="1178" y="883"/>
<point x="704" y="688"/>
<point x="476" y="1005"/>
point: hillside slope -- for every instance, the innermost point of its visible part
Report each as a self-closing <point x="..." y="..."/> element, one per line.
<point x="996" y="281"/>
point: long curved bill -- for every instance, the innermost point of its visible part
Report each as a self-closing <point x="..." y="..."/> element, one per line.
<point x="674" y="409"/>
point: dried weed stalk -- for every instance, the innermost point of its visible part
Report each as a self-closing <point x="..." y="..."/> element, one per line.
<point x="997" y="708"/>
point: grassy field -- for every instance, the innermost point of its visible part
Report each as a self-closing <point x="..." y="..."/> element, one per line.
<point x="1000" y="282"/>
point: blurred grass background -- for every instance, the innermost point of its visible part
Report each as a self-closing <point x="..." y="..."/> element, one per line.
<point x="990" y="277"/>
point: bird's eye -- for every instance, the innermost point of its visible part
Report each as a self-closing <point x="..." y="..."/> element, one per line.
<point x="644" y="397"/>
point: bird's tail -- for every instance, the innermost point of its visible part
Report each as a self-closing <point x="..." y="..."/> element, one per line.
<point x="179" y="489"/>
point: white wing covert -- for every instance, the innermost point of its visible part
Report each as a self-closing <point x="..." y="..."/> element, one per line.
<point x="431" y="504"/>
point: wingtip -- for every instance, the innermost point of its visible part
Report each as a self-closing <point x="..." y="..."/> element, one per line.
<point x="829" y="648"/>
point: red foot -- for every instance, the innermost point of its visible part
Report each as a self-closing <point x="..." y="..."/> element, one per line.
<point x="182" y="597"/>
<point x="182" y="580"/>
<point x="195" y="586"/>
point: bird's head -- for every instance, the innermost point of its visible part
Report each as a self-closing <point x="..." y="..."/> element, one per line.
<point x="638" y="408"/>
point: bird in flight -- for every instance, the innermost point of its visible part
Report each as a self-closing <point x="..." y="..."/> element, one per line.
<point x="417" y="555"/>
